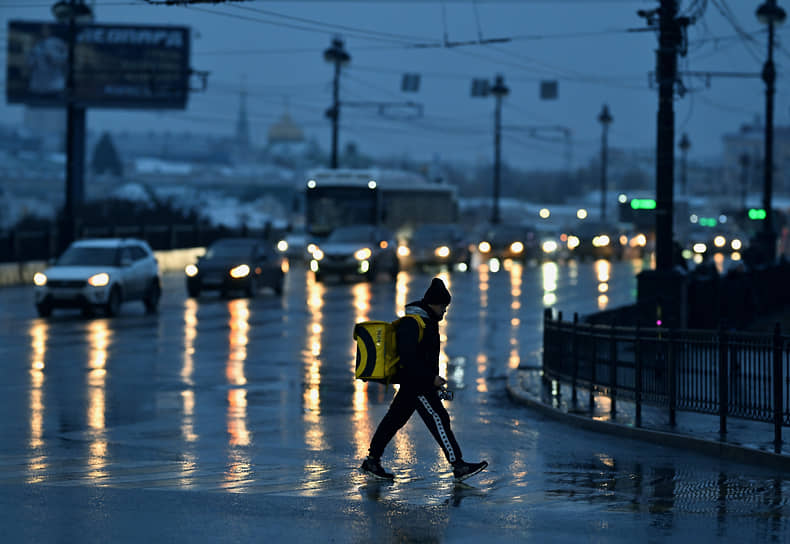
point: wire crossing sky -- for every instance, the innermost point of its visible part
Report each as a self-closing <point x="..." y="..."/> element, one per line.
<point x="599" y="52"/>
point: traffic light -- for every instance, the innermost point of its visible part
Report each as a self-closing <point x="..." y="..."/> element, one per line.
<point x="480" y="87"/>
<point x="410" y="83"/>
<point x="756" y="214"/>
<point x="643" y="204"/>
<point x="639" y="211"/>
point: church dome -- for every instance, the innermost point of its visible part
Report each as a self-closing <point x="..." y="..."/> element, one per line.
<point x="285" y="130"/>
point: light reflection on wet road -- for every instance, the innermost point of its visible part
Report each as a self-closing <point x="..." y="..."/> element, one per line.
<point x="257" y="397"/>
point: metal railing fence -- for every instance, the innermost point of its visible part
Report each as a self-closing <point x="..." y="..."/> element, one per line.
<point x="22" y="245"/>
<point x="721" y="372"/>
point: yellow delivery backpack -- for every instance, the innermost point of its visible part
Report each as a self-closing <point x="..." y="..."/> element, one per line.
<point x="377" y="349"/>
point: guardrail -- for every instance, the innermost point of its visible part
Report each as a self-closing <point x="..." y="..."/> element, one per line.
<point x="721" y="372"/>
<point x="20" y="245"/>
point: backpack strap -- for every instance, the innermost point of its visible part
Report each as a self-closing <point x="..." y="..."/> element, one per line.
<point x="420" y="325"/>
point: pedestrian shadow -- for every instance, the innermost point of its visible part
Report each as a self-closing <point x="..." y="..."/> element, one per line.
<point x="372" y="489"/>
<point x="461" y="491"/>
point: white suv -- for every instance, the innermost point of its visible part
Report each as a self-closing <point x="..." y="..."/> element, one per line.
<point x="100" y="274"/>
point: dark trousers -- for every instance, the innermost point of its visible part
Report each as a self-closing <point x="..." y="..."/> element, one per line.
<point x="432" y="412"/>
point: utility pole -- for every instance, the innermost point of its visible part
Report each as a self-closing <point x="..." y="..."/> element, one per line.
<point x="667" y="60"/>
<point x="337" y="55"/>
<point x="671" y="42"/>
<point x="662" y="292"/>
<point x="605" y="118"/>
<point x="72" y="12"/>
<point x="499" y="90"/>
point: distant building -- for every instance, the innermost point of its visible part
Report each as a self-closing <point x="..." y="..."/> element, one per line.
<point x="743" y="161"/>
<point x="285" y="137"/>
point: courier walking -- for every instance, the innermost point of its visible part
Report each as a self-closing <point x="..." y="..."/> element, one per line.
<point x="420" y="386"/>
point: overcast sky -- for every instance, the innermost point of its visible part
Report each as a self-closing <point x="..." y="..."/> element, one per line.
<point x="277" y="48"/>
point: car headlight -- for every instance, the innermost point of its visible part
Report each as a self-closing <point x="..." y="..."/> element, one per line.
<point x="442" y="251"/>
<point x="736" y="244"/>
<point x="573" y="242"/>
<point x="40" y="279"/>
<point x="549" y="246"/>
<point x="282" y="246"/>
<point x="516" y="247"/>
<point x="241" y="271"/>
<point x="719" y="241"/>
<point x="640" y="240"/>
<point x="191" y="270"/>
<point x="601" y="240"/>
<point x="484" y="247"/>
<point x="362" y="254"/>
<point x="699" y="247"/>
<point x="317" y="254"/>
<point x="99" y="280"/>
<point x="404" y="251"/>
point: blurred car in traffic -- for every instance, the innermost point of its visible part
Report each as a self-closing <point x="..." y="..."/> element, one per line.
<point x="237" y="264"/>
<point x="100" y="274"/>
<point x="703" y="242"/>
<point x="594" y="240"/>
<point x="293" y="244"/>
<point x="436" y="244"/>
<point x="552" y="246"/>
<point x="356" y="250"/>
<point x="509" y="241"/>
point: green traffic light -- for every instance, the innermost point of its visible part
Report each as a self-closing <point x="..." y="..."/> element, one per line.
<point x="643" y="204"/>
<point x="756" y="214"/>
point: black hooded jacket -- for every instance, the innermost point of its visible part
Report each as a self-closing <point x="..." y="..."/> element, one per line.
<point x="419" y="360"/>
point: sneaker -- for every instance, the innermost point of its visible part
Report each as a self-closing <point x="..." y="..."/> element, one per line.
<point x="463" y="470"/>
<point x="374" y="468"/>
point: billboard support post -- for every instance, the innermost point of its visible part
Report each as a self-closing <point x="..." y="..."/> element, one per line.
<point x="75" y="146"/>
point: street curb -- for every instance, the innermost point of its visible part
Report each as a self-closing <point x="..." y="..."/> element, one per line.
<point x="722" y="450"/>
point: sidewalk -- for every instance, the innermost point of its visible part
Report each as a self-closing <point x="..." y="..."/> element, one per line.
<point x="746" y="441"/>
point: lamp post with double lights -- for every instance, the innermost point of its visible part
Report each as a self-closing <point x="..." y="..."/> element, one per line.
<point x="605" y="118"/>
<point x="770" y="14"/>
<point x="337" y="55"/>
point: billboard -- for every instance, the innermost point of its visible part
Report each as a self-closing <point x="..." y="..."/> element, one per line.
<point x="115" y="66"/>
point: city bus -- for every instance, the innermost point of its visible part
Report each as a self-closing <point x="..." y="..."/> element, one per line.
<point x="396" y="199"/>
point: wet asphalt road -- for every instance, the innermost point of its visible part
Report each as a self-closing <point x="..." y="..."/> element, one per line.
<point x="236" y="420"/>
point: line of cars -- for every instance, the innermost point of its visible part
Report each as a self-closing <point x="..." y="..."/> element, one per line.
<point x="103" y="273"/>
<point x="366" y="251"/>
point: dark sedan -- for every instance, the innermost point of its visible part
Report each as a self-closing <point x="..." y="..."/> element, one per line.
<point x="443" y="244"/>
<point x="509" y="241"/>
<point x="237" y="264"/>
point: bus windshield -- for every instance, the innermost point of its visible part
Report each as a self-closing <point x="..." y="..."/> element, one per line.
<point x="332" y="207"/>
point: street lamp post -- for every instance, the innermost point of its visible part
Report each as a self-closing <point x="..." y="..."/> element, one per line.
<point x="605" y="118"/>
<point x="772" y="15"/>
<point x="684" y="146"/>
<point x="499" y="90"/>
<point x="743" y="160"/>
<point x="337" y="55"/>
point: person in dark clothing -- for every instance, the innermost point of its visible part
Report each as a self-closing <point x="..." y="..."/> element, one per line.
<point x="420" y="384"/>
